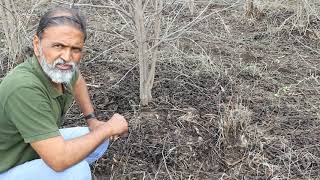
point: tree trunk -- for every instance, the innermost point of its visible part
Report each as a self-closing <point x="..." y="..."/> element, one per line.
<point x="157" y="28"/>
<point x="146" y="66"/>
<point x="140" y="38"/>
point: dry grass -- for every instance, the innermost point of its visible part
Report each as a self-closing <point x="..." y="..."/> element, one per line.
<point x="301" y="15"/>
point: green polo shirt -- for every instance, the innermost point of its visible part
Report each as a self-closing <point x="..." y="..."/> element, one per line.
<point x="31" y="110"/>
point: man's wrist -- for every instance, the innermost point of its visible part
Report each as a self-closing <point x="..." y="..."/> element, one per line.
<point x="90" y="116"/>
<point x="92" y="124"/>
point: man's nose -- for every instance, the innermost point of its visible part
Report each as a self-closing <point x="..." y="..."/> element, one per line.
<point x="66" y="55"/>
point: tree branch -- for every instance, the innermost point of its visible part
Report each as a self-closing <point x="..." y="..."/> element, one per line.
<point x="98" y="6"/>
<point x="188" y="26"/>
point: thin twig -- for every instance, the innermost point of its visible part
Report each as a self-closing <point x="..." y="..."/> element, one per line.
<point x="98" y="6"/>
<point x="308" y="47"/>
<point x="93" y="85"/>
<point x="188" y="26"/>
<point x="173" y="19"/>
<point x="7" y="9"/>
<point x="108" y="50"/>
<point x="124" y="76"/>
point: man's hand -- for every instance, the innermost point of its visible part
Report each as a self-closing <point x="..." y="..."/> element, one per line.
<point x="118" y="125"/>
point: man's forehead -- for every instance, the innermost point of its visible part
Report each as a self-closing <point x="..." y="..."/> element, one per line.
<point x="63" y="33"/>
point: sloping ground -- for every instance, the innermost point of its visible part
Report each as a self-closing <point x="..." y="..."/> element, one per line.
<point x="233" y="99"/>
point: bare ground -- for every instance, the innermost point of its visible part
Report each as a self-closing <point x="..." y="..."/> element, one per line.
<point x="233" y="98"/>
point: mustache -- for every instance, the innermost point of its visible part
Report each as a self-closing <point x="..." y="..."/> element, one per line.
<point x="61" y="61"/>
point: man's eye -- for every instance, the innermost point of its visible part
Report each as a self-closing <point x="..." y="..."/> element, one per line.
<point x="58" y="46"/>
<point x="77" y="50"/>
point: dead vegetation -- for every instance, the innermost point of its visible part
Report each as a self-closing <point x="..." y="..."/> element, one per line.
<point x="234" y="97"/>
<point x="10" y="26"/>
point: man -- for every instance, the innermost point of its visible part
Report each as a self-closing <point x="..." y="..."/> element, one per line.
<point x="35" y="97"/>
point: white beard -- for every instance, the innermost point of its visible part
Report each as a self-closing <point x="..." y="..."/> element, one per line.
<point x="55" y="74"/>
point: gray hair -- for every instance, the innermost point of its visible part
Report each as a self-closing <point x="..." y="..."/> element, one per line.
<point x="70" y="16"/>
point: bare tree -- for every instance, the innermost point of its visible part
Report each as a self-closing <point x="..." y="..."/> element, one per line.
<point x="144" y="17"/>
<point x="148" y="37"/>
<point x="10" y="27"/>
<point x="147" y="66"/>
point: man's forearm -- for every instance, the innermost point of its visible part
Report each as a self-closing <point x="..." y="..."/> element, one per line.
<point x="82" y="98"/>
<point x="81" y="95"/>
<point x="77" y="149"/>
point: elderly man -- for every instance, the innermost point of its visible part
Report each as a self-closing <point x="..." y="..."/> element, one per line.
<point x="34" y="99"/>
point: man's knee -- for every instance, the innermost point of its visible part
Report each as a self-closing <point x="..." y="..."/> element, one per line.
<point x="98" y="152"/>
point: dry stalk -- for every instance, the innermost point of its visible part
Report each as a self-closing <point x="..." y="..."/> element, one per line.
<point x="252" y="11"/>
<point x="11" y="31"/>
<point x="249" y="8"/>
<point x="191" y="6"/>
<point x="304" y="11"/>
<point x="234" y="123"/>
<point x="233" y="127"/>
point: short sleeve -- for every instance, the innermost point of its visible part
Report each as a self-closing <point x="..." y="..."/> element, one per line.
<point x="30" y="111"/>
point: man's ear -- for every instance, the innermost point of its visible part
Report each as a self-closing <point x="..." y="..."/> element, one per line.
<point x="36" y="45"/>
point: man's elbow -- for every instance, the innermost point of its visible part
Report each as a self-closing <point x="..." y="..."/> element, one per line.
<point x="53" y="152"/>
<point x="58" y="168"/>
<point x="57" y="165"/>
